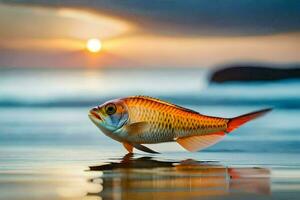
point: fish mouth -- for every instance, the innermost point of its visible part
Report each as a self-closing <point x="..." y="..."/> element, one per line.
<point x="94" y="114"/>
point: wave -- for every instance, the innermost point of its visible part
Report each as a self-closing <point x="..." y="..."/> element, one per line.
<point x="80" y="88"/>
<point x="283" y="102"/>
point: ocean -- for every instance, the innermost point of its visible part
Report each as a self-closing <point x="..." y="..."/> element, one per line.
<point x="49" y="149"/>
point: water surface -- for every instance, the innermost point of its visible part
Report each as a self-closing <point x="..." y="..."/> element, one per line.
<point x="50" y="150"/>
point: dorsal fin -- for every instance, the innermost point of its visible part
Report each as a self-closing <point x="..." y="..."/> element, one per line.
<point x="164" y="102"/>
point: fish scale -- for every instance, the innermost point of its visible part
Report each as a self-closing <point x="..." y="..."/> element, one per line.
<point x="168" y="121"/>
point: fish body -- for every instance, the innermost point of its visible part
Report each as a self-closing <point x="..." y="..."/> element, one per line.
<point x="167" y="121"/>
<point x="139" y="120"/>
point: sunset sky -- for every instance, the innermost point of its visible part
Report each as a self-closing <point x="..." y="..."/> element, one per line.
<point x="149" y="33"/>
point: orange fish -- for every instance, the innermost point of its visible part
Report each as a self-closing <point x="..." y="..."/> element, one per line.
<point x="139" y="120"/>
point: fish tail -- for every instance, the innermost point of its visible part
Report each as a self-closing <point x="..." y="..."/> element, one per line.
<point x="236" y="122"/>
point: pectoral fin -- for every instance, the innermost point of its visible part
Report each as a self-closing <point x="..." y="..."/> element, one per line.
<point x="143" y="148"/>
<point x="196" y="143"/>
<point x="128" y="147"/>
<point x="137" y="127"/>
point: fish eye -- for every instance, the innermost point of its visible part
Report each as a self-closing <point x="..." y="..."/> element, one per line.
<point x="110" y="109"/>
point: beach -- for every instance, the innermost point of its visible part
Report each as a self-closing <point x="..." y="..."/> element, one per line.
<point x="49" y="149"/>
<point x="60" y="61"/>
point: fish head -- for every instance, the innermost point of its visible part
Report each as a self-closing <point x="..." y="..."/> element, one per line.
<point x="110" y="116"/>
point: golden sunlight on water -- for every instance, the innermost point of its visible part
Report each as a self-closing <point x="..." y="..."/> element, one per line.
<point x="47" y="183"/>
<point x="134" y="178"/>
<point x="145" y="178"/>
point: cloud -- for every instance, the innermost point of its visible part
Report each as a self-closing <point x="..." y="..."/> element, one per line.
<point x="168" y="33"/>
<point x="196" y="17"/>
<point x="152" y="51"/>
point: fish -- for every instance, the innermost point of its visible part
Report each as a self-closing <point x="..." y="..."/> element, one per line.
<point x="138" y="120"/>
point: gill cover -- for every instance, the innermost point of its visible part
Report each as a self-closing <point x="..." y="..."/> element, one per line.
<point x="114" y="114"/>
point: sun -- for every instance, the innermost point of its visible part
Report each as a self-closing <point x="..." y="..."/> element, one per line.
<point x="93" y="45"/>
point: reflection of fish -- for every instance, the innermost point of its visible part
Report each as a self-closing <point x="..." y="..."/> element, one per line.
<point x="145" y="120"/>
<point x="149" y="178"/>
